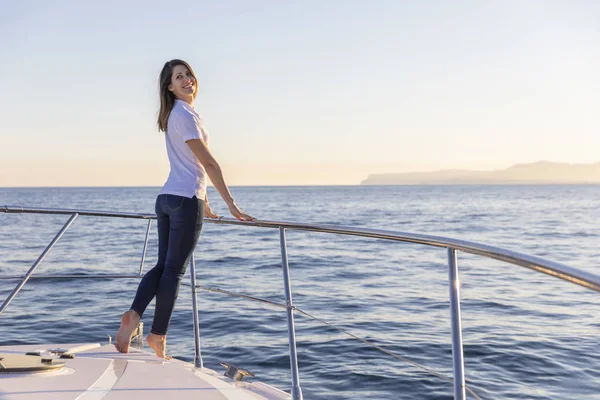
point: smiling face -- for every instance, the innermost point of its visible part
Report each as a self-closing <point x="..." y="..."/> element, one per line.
<point x="183" y="84"/>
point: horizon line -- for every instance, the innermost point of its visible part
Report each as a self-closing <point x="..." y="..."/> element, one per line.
<point x="515" y="183"/>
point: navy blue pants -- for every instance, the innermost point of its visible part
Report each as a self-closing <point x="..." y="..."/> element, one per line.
<point x="179" y="225"/>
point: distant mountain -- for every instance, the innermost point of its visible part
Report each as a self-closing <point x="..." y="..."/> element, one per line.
<point x="539" y="172"/>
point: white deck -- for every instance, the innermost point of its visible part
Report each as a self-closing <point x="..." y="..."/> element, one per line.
<point x="100" y="372"/>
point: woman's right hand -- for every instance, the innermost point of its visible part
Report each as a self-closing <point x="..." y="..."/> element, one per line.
<point x="239" y="214"/>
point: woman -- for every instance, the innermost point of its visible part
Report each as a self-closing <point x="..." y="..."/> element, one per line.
<point x="180" y="206"/>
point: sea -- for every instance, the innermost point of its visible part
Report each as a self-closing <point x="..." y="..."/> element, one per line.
<point x="526" y="335"/>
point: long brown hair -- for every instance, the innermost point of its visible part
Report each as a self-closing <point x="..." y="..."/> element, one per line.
<point x="167" y="98"/>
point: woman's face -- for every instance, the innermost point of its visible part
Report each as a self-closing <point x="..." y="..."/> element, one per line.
<point x="183" y="84"/>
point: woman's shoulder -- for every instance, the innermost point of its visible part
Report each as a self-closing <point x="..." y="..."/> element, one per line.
<point x="183" y="109"/>
<point x="183" y="112"/>
<point x="183" y="118"/>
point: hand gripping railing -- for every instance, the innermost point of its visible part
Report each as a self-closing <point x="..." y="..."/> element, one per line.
<point x="558" y="270"/>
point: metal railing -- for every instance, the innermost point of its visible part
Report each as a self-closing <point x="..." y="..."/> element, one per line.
<point x="558" y="270"/>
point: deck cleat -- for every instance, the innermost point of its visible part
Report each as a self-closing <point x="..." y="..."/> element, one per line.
<point x="234" y="372"/>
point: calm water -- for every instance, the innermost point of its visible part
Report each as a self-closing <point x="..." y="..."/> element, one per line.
<point x="526" y="336"/>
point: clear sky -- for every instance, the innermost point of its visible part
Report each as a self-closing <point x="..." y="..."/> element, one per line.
<point x="303" y="92"/>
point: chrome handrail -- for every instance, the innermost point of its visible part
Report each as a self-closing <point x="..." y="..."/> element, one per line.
<point x="562" y="271"/>
<point x="558" y="270"/>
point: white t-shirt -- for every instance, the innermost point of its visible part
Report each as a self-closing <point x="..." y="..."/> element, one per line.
<point x="187" y="177"/>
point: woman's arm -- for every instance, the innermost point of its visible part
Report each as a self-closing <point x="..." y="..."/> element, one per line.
<point x="215" y="174"/>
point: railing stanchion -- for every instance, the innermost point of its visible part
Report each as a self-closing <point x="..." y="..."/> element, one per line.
<point x="296" y="390"/>
<point x="457" y="345"/>
<point x="18" y="288"/>
<point x="145" y="247"/>
<point x="197" y="354"/>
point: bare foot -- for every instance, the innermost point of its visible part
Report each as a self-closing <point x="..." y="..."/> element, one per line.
<point x="129" y="321"/>
<point x="158" y="343"/>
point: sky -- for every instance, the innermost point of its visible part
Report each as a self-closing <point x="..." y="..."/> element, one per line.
<point x="298" y="93"/>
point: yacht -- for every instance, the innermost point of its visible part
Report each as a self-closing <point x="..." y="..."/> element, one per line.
<point x="97" y="371"/>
